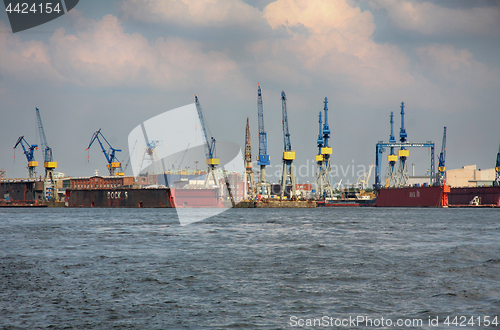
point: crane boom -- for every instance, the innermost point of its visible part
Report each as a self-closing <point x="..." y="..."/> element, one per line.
<point x="263" y="158"/>
<point x="286" y="133"/>
<point x="288" y="176"/>
<point x="209" y="144"/>
<point x="442" y="159"/>
<point x="113" y="162"/>
<point x="248" y="163"/>
<point x="319" y="142"/>
<point x="47" y="151"/>
<point x="442" y="155"/>
<point x="210" y="152"/>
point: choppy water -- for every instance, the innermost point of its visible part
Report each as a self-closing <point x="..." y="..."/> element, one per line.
<point x="246" y="268"/>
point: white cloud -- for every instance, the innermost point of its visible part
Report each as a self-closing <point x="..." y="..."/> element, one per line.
<point x="101" y="54"/>
<point x="338" y="41"/>
<point x="192" y="13"/>
<point x="446" y="64"/>
<point x="430" y="19"/>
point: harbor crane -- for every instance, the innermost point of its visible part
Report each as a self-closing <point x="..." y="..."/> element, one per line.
<point x="325" y="190"/>
<point x="263" y="187"/>
<point x="441" y="167"/>
<point x="319" y="156"/>
<point x="402" y="174"/>
<point x="392" y="158"/>
<point x="113" y="163"/>
<point x="288" y="176"/>
<point x="497" y="170"/>
<point x="210" y="152"/>
<point x="248" y="163"/>
<point x="28" y="151"/>
<point x="49" y="183"/>
<point x="403" y="153"/>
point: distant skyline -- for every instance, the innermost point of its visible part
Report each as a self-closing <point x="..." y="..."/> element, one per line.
<point x="115" y="64"/>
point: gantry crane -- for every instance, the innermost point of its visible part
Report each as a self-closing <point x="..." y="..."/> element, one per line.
<point x="442" y="158"/>
<point x="49" y="183"/>
<point x="113" y="163"/>
<point x="402" y="174"/>
<point x="392" y="158"/>
<point x="28" y="151"/>
<point x="403" y="153"/>
<point x="288" y="176"/>
<point x="319" y="156"/>
<point x="210" y="152"/>
<point x="325" y="190"/>
<point x="248" y="163"/>
<point x="263" y="187"/>
<point x="497" y="170"/>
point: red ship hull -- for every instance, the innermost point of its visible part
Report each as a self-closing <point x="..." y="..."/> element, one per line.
<point x="196" y="198"/>
<point x="463" y="196"/>
<point x="435" y="196"/>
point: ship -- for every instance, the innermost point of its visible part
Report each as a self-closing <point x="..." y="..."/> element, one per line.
<point x="21" y="192"/>
<point x="416" y="196"/>
<point x="348" y="198"/>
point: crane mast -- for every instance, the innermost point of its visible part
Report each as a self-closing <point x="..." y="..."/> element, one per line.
<point x="248" y="163"/>
<point x="113" y="163"/>
<point x="263" y="187"/>
<point x="288" y="176"/>
<point x="210" y="151"/>
<point x="497" y="170"/>
<point x="49" y="184"/>
<point x="28" y="151"/>
<point x="319" y="156"/>
<point x="392" y="158"/>
<point x="442" y="158"/>
<point x="403" y="153"/>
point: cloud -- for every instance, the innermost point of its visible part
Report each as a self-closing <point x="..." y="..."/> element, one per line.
<point x="191" y="13"/>
<point x="430" y="19"/>
<point x="333" y="38"/>
<point x="456" y="74"/>
<point x="101" y="54"/>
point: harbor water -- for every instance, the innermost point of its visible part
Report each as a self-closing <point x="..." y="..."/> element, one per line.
<point x="249" y="269"/>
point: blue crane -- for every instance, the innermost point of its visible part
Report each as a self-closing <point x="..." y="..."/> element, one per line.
<point x="49" y="183"/>
<point x="288" y="176"/>
<point x="392" y="158"/>
<point x="326" y="129"/>
<point x="263" y="188"/>
<point x="442" y="158"/>
<point x="263" y="158"/>
<point x="324" y="180"/>
<point x="113" y="163"/>
<point x="47" y="151"/>
<point x="210" y="152"/>
<point x="497" y="170"/>
<point x="28" y="151"/>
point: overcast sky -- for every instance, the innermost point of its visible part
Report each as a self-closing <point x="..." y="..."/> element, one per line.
<point x="115" y="64"/>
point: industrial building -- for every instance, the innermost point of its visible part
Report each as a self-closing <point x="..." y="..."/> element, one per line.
<point x="470" y="176"/>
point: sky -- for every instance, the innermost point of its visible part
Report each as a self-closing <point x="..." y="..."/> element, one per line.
<point x="114" y="64"/>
